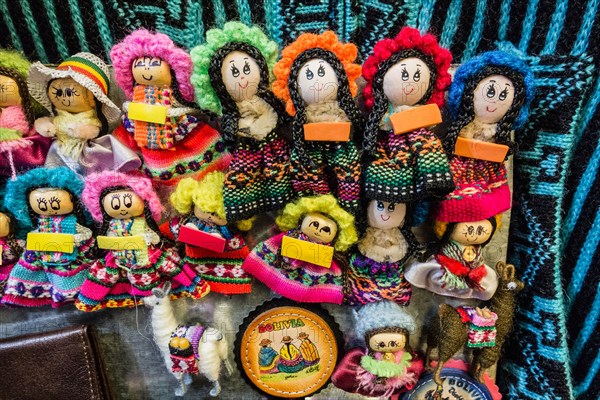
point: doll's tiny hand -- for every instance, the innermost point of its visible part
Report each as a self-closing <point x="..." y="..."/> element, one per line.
<point x="86" y="132"/>
<point x="45" y="127"/>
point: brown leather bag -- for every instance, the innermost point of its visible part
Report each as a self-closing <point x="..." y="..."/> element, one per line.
<point x="63" y="364"/>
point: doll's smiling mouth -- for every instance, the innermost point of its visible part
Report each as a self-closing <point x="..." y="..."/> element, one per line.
<point x="245" y="86"/>
<point x="66" y="103"/>
<point x="124" y="212"/>
<point x="385" y="219"/>
<point x="488" y="109"/>
<point x="407" y="93"/>
<point x="148" y="79"/>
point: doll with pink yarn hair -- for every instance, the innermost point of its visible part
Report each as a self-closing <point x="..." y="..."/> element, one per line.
<point x="155" y="74"/>
<point x="127" y="206"/>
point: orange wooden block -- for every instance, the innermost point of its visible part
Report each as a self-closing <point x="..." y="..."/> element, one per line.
<point x="480" y="150"/>
<point x="416" y="118"/>
<point x="327" y="131"/>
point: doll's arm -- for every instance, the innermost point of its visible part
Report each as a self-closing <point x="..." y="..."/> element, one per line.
<point x="83" y="234"/>
<point x="151" y="237"/>
<point x="185" y="124"/>
<point x="128" y="124"/>
<point x="45" y="127"/>
<point x="83" y="131"/>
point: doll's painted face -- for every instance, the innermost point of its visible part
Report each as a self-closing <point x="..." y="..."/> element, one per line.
<point x="492" y="98"/>
<point x="67" y="95"/>
<point x="4" y="225"/>
<point x="151" y="71"/>
<point x="241" y="75"/>
<point x="51" y="201"/>
<point x="123" y="204"/>
<point x="471" y="233"/>
<point x="212" y="218"/>
<point x="9" y="92"/>
<point x="406" y="82"/>
<point x="387" y="342"/>
<point x="317" y="82"/>
<point x="385" y="215"/>
<point x="319" y="228"/>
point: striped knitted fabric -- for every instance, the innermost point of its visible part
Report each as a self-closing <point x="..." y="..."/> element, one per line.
<point x="200" y="152"/>
<point x="408" y="167"/>
<point x="369" y="281"/>
<point x="258" y="178"/>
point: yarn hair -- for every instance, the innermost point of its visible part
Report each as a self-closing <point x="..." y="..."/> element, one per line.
<point x="230" y="113"/>
<point x="290" y="218"/>
<point x="142" y="43"/>
<point x="387" y="53"/>
<point x="207" y="94"/>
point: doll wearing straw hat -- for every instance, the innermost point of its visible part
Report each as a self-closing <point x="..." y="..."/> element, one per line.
<point x="20" y="147"/>
<point x="76" y="95"/>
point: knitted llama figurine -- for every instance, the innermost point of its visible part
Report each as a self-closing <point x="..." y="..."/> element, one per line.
<point x="232" y="78"/>
<point x="174" y="142"/>
<point x="316" y="77"/>
<point x="21" y="148"/>
<point x="76" y="95"/>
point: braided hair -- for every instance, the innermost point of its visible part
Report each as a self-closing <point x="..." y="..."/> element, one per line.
<point x="344" y="97"/>
<point x="231" y="114"/>
<point x="177" y="92"/>
<point x="466" y="113"/>
<point x="107" y="218"/>
<point x="380" y="105"/>
<point x="23" y="92"/>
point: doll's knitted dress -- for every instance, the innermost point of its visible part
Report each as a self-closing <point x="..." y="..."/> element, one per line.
<point x="11" y="249"/>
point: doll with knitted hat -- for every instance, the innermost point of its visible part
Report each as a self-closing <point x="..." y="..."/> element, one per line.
<point x="136" y="259"/>
<point x="21" y="148"/>
<point x="404" y="75"/>
<point x="320" y="225"/>
<point x="376" y="266"/>
<point x="159" y="119"/>
<point x="385" y="365"/>
<point x="232" y="72"/>
<point x="11" y="244"/>
<point x="46" y="201"/>
<point x="76" y="95"/>
<point x="489" y="98"/>
<point x="316" y="77"/>
<point x="202" y="208"/>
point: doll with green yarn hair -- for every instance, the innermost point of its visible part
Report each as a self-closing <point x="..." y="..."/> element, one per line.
<point x="318" y="220"/>
<point x="200" y="204"/>
<point x="232" y="74"/>
<point x="21" y="148"/>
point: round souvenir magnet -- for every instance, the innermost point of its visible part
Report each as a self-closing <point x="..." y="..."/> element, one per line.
<point x="287" y="350"/>
<point x="458" y="384"/>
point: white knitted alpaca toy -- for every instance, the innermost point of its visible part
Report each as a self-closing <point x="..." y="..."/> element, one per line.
<point x="187" y="350"/>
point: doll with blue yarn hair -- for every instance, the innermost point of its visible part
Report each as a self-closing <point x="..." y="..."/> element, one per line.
<point x="385" y="365"/>
<point x="47" y="200"/>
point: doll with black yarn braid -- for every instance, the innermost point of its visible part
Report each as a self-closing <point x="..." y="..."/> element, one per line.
<point x="316" y="76"/>
<point x="128" y="207"/>
<point x="403" y="74"/>
<point x="376" y="267"/>
<point x="231" y="78"/>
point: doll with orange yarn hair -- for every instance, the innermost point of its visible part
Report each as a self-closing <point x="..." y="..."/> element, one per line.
<point x="316" y="77"/>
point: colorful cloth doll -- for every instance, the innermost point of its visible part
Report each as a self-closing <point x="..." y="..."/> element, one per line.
<point x="11" y="245"/>
<point x="127" y="206"/>
<point x="490" y="97"/>
<point x="316" y="220"/>
<point x="76" y="95"/>
<point x="231" y="77"/>
<point x="403" y="74"/>
<point x="202" y="208"/>
<point x="21" y="148"/>
<point x="316" y="77"/>
<point x="46" y="201"/>
<point x="155" y="73"/>
<point x="457" y="268"/>
<point x="386" y="365"/>
<point x="376" y="268"/>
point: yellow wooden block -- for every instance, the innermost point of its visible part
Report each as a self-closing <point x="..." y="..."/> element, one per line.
<point x="135" y="242"/>
<point x="154" y="113"/>
<point x="51" y="242"/>
<point x="302" y="250"/>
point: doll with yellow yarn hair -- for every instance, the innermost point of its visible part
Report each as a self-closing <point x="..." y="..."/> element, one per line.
<point x="316" y="77"/>
<point x="201" y="206"/>
<point x="457" y="268"/>
<point x="318" y="220"/>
